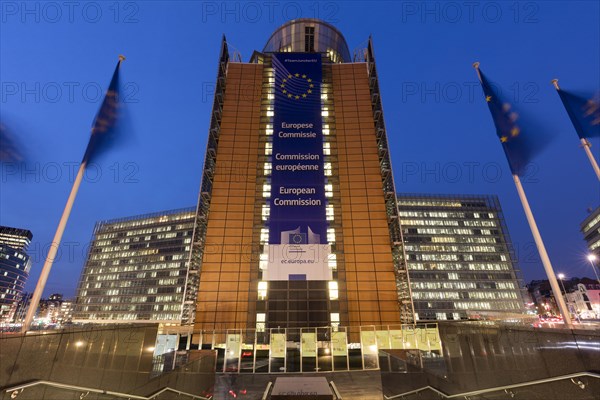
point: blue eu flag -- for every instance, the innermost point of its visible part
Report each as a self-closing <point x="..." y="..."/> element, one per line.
<point x="519" y="144"/>
<point x="104" y="128"/>
<point x="584" y="112"/>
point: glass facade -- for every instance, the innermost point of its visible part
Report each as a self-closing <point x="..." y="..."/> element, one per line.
<point x="459" y="256"/>
<point x="137" y="270"/>
<point x="14" y="268"/>
<point x="590" y="228"/>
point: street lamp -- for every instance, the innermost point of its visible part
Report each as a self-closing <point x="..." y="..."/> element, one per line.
<point x="591" y="258"/>
<point x="561" y="277"/>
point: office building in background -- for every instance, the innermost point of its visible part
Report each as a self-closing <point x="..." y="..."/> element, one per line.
<point x="460" y="257"/>
<point x="590" y="227"/>
<point x="14" y="268"/>
<point x="137" y="270"/>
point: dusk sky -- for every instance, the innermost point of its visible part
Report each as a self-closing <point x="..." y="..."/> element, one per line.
<point x="55" y="59"/>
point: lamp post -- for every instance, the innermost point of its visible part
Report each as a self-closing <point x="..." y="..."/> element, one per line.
<point x="560" y="277"/>
<point x="591" y="258"/>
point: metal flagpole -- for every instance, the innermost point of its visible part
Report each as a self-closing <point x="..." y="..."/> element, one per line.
<point x="543" y="255"/>
<point x="106" y="116"/>
<point x="538" y="238"/>
<point x="584" y="143"/>
<point x="37" y="294"/>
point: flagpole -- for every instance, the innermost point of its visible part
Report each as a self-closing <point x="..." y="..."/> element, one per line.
<point x="586" y="146"/>
<point x="105" y="117"/>
<point x="538" y="240"/>
<point x="37" y="294"/>
<point x="584" y="143"/>
<point x="543" y="255"/>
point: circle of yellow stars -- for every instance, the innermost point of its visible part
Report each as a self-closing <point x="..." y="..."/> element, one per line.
<point x="297" y="96"/>
<point x="514" y="131"/>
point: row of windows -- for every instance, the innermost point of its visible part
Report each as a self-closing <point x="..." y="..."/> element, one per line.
<point x="441" y="214"/>
<point x="450" y="239"/>
<point x="140" y="253"/>
<point x="496" y="295"/>
<point x="433" y="231"/>
<point x="146" y="266"/>
<point x="458" y="267"/>
<point x="131" y="316"/>
<point x="460" y="249"/>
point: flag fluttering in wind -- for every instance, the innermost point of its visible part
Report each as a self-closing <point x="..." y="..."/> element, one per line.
<point x="521" y="140"/>
<point x="520" y="146"/>
<point x="104" y="133"/>
<point x="584" y="111"/>
<point x="105" y="127"/>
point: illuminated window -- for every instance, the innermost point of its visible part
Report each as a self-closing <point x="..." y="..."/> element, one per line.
<point x="329" y="190"/>
<point x="331" y="235"/>
<point x="329" y="213"/>
<point x="263" y="261"/>
<point x="268" y="168"/>
<point x="332" y="261"/>
<point x="262" y="290"/>
<point x="266" y="190"/>
<point x="327" y="168"/>
<point x="266" y="211"/>
<point x="335" y="320"/>
<point x="260" y="322"/>
<point x="264" y="235"/>
<point x="333" y="290"/>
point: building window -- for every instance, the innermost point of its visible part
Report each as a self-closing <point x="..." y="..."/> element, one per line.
<point x="309" y="39"/>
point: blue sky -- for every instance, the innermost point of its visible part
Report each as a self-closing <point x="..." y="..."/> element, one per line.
<point x="54" y="59"/>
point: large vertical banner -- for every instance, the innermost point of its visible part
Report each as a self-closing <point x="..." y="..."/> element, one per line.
<point x="297" y="247"/>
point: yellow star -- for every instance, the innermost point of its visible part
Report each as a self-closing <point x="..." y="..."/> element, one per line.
<point x="303" y="76"/>
<point x="503" y="139"/>
<point x="290" y="75"/>
<point x="488" y="98"/>
<point x="303" y="94"/>
<point x="283" y="85"/>
<point x="296" y="75"/>
<point x="284" y="91"/>
<point x="590" y="108"/>
<point x="309" y="80"/>
<point x="515" y="131"/>
<point x="311" y="85"/>
<point x="296" y="97"/>
<point x="284" y="79"/>
<point x="289" y="95"/>
<point x="309" y="91"/>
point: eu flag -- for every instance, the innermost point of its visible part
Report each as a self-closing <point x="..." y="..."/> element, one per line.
<point x="520" y="145"/>
<point x="584" y="112"/>
<point x="104" y="128"/>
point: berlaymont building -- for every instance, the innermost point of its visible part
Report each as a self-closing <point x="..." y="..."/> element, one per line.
<point x="302" y="227"/>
